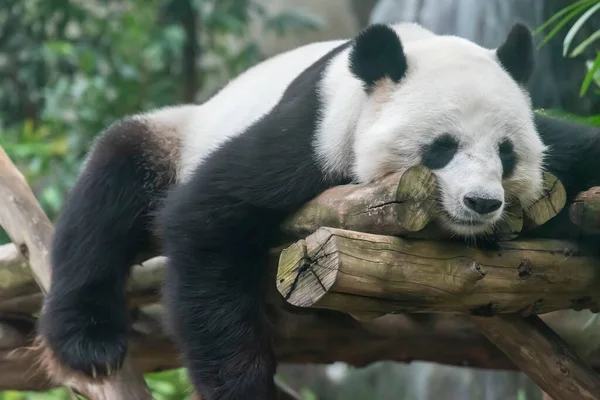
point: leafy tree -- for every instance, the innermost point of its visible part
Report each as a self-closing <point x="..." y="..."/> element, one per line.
<point x="581" y="12"/>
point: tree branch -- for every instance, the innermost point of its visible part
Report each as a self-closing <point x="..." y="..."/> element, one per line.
<point x="542" y="355"/>
<point x="313" y="336"/>
<point x="30" y="229"/>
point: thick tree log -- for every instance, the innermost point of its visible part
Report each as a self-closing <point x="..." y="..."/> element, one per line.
<point x="542" y="355"/>
<point x="400" y="204"/>
<point x="403" y="204"/>
<point x="368" y="275"/>
<point x="397" y="204"/>
<point x="30" y="229"/>
<point x="309" y="336"/>
<point x="552" y="201"/>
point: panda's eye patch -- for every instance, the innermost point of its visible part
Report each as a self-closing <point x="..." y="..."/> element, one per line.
<point x="508" y="158"/>
<point x="440" y="152"/>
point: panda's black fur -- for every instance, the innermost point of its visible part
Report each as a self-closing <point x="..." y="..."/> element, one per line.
<point x="216" y="229"/>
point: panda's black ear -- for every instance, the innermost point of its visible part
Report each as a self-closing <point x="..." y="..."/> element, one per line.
<point x="376" y="54"/>
<point x="517" y="53"/>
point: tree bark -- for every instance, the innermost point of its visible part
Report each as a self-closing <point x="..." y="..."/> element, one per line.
<point x="309" y="336"/>
<point x="369" y="275"/>
<point x="585" y="211"/>
<point x="406" y="204"/>
<point x="542" y="355"/>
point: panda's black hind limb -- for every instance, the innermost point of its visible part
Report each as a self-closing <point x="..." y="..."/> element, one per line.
<point x="105" y="222"/>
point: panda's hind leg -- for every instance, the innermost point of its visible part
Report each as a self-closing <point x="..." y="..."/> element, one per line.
<point x="104" y="224"/>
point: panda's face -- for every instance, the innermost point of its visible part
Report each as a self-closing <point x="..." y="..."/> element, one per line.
<point x="456" y="111"/>
<point x="483" y="148"/>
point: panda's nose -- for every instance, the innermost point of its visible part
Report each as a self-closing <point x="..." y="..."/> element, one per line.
<point x="482" y="205"/>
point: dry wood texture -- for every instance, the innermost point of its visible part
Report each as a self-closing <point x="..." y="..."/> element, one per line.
<point x="303" y="335"/>
<point x="398" y="204"/>
<point x="31" y="230"/>
<point x="369" y="275"/>
<point x="553" y="199"/>
<point x="405" y="204"/>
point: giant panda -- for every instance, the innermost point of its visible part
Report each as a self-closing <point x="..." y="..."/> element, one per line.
<point x="214" y="182"/>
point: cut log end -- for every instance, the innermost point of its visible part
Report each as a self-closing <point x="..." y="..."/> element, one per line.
<point x="585" y="211"/>
<point x="300" y="278"/>
<point x="416" y="198"/>
<point x="551" y="202"/>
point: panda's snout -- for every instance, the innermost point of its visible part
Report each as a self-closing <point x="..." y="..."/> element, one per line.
<point x="482" y="205"/>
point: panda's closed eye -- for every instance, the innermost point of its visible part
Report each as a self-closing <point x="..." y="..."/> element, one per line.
<point x="440" y="152"/>
<point x="508" y="158"/>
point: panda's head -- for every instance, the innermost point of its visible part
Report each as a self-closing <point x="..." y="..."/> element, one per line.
<point x="455" y="107"/>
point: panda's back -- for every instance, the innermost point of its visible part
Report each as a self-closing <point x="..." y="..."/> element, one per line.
<point x="200" y="129"/>
<point x="242" y="101"/>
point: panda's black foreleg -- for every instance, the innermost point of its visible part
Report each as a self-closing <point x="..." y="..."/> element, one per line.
<point x="103" y="225"/>
<point x="214" y="294"/>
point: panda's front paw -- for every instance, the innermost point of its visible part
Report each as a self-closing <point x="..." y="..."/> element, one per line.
<point x="95" y="351"/>
<point x="89" y="340"/>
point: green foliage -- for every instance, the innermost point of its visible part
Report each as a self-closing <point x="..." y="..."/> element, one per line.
<point x="72" y="68"/>
<point x="169" y="385"/>
<point x="584" y="10"/>
<point x="57" y="394"/>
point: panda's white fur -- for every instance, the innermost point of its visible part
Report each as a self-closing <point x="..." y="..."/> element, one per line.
<point x="452" y="85"/>
<point x="222" y="175"/>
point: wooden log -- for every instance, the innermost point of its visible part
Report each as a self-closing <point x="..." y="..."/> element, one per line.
<point x="395" y="205"/>
<point x="551" y="202"/>
<point x="312" y="336"/>
<point x="585" y="211"/>
<point x="30" y="229"/>
<point x="20" y="294"/>
<point x="542" y="355"/>
<point x="369" y="275"/>
<point x="406" y="204"/>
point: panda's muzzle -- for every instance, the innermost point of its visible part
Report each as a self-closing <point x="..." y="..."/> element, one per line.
<point x="482" y="205"/>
